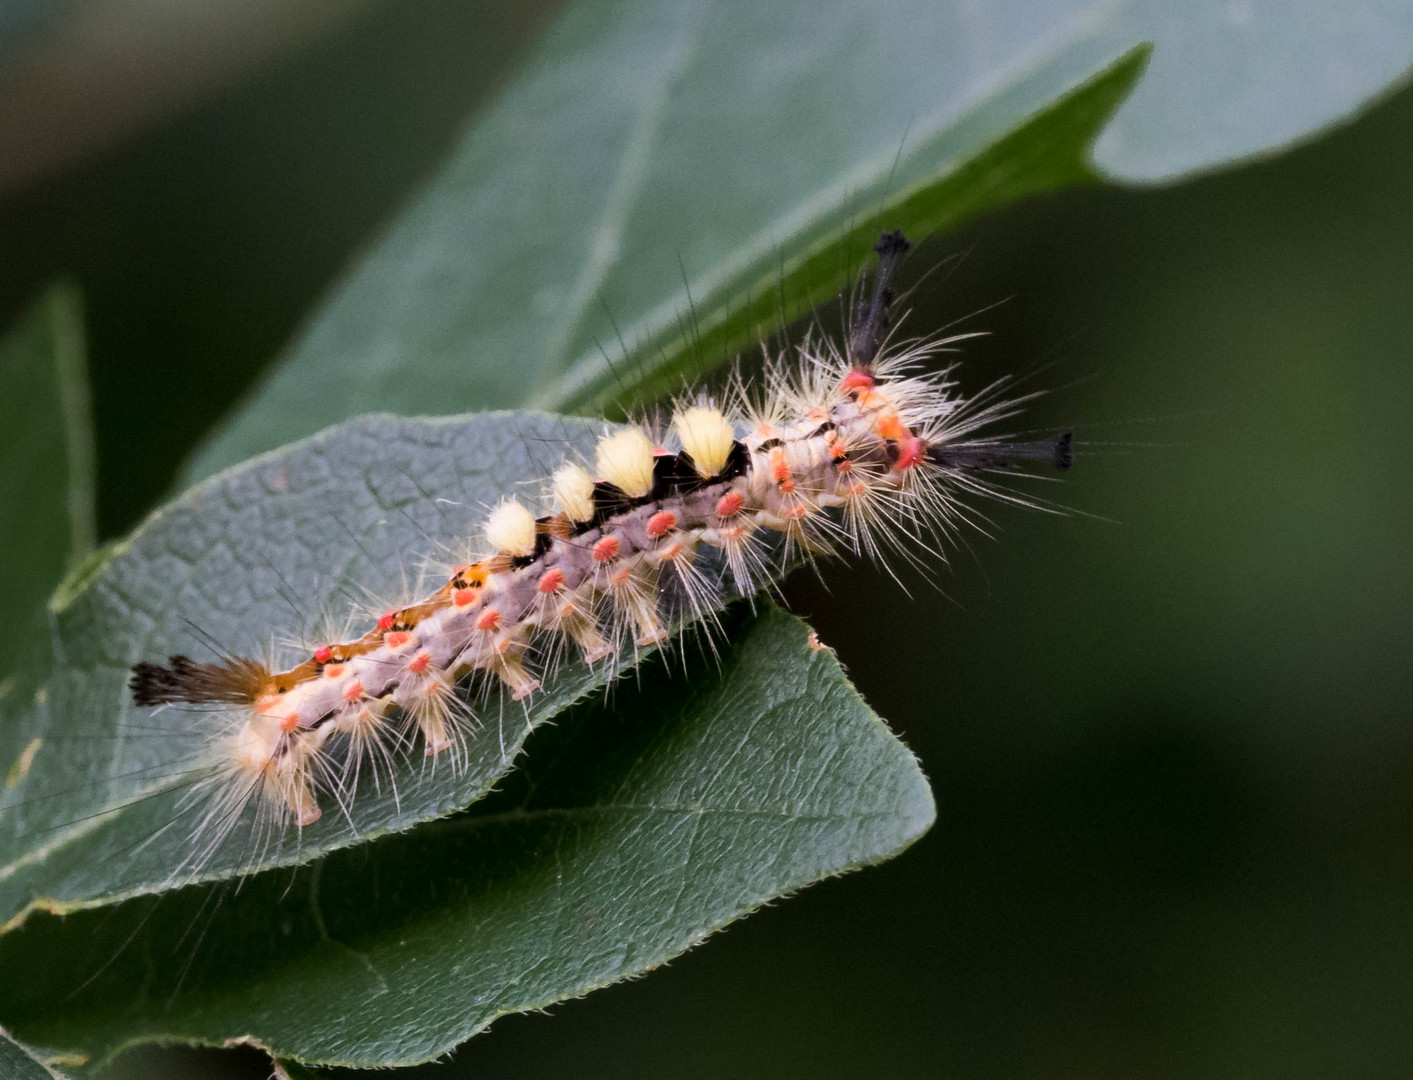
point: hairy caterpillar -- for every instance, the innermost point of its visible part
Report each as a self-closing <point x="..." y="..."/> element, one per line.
<point x="850" y="448"/>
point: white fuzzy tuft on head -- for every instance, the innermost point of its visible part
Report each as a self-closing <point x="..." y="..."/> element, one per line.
<point x="625" y="460"/>
<point x="511" y="529"/>
<point x="574" y="491"/>
<point x="707" y="436"/>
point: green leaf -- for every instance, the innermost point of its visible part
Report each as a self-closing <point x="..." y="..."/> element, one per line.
<point x="269" y="551"/>
<point x="634" y="828"/>
<point x="1232" y="79"/>
<point x="565" y="211"/>
<point x="758" y="295"/>
<point x="644" y="143"/>
<point x="46" y="468"/>
<point x="17" y="1063"/>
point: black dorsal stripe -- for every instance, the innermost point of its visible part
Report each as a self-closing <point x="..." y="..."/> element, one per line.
<point x="738" y="462"/>
<point x="542" y="545"/>
<point x="610" y="500"/>
<point x="674" y="474"/>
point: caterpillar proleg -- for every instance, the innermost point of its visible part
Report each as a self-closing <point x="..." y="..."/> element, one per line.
<point x="853" y="448"/>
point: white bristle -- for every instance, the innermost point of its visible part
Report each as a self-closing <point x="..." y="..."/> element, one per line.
<point x="707" y="436"/>
<point x="511" y="529"/>
<point x="625" y="460"/>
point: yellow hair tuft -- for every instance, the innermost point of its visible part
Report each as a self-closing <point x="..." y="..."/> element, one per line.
<point x="707" y="436"/>
<point x="625" y="460"/>
<point x="574" y="491"/>
<point x="511" y="529"/>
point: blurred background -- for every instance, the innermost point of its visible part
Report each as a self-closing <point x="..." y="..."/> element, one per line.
<point x="1168" y="734"/>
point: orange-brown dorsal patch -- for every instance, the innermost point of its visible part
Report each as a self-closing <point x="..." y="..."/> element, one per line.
<point x="470" y="576"/>
<point x="889" y="425"/>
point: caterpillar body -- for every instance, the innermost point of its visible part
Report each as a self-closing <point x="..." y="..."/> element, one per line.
<point x="852" y="448"/>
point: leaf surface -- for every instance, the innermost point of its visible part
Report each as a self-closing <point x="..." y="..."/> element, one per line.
<point x="46" y="467"/>
<point x="590" y="215"/>
<point x="734" y="146"/>
<point x="283" y="548"/>
<point x="635" y="827"/>
<point x="17" y="1063"/>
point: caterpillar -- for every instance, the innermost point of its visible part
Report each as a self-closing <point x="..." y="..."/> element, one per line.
<point x="853" y="447"/>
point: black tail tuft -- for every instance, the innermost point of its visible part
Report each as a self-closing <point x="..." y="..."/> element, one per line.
<point x="891" y="247"/>
<point x="872" y="320"/>
<point x="232" y="679"/>
<point x="152" y="684"/>
<point x="999" y="454"/>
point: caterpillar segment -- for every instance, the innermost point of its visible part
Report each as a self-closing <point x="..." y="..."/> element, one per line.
<point x="852" y="450"/>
